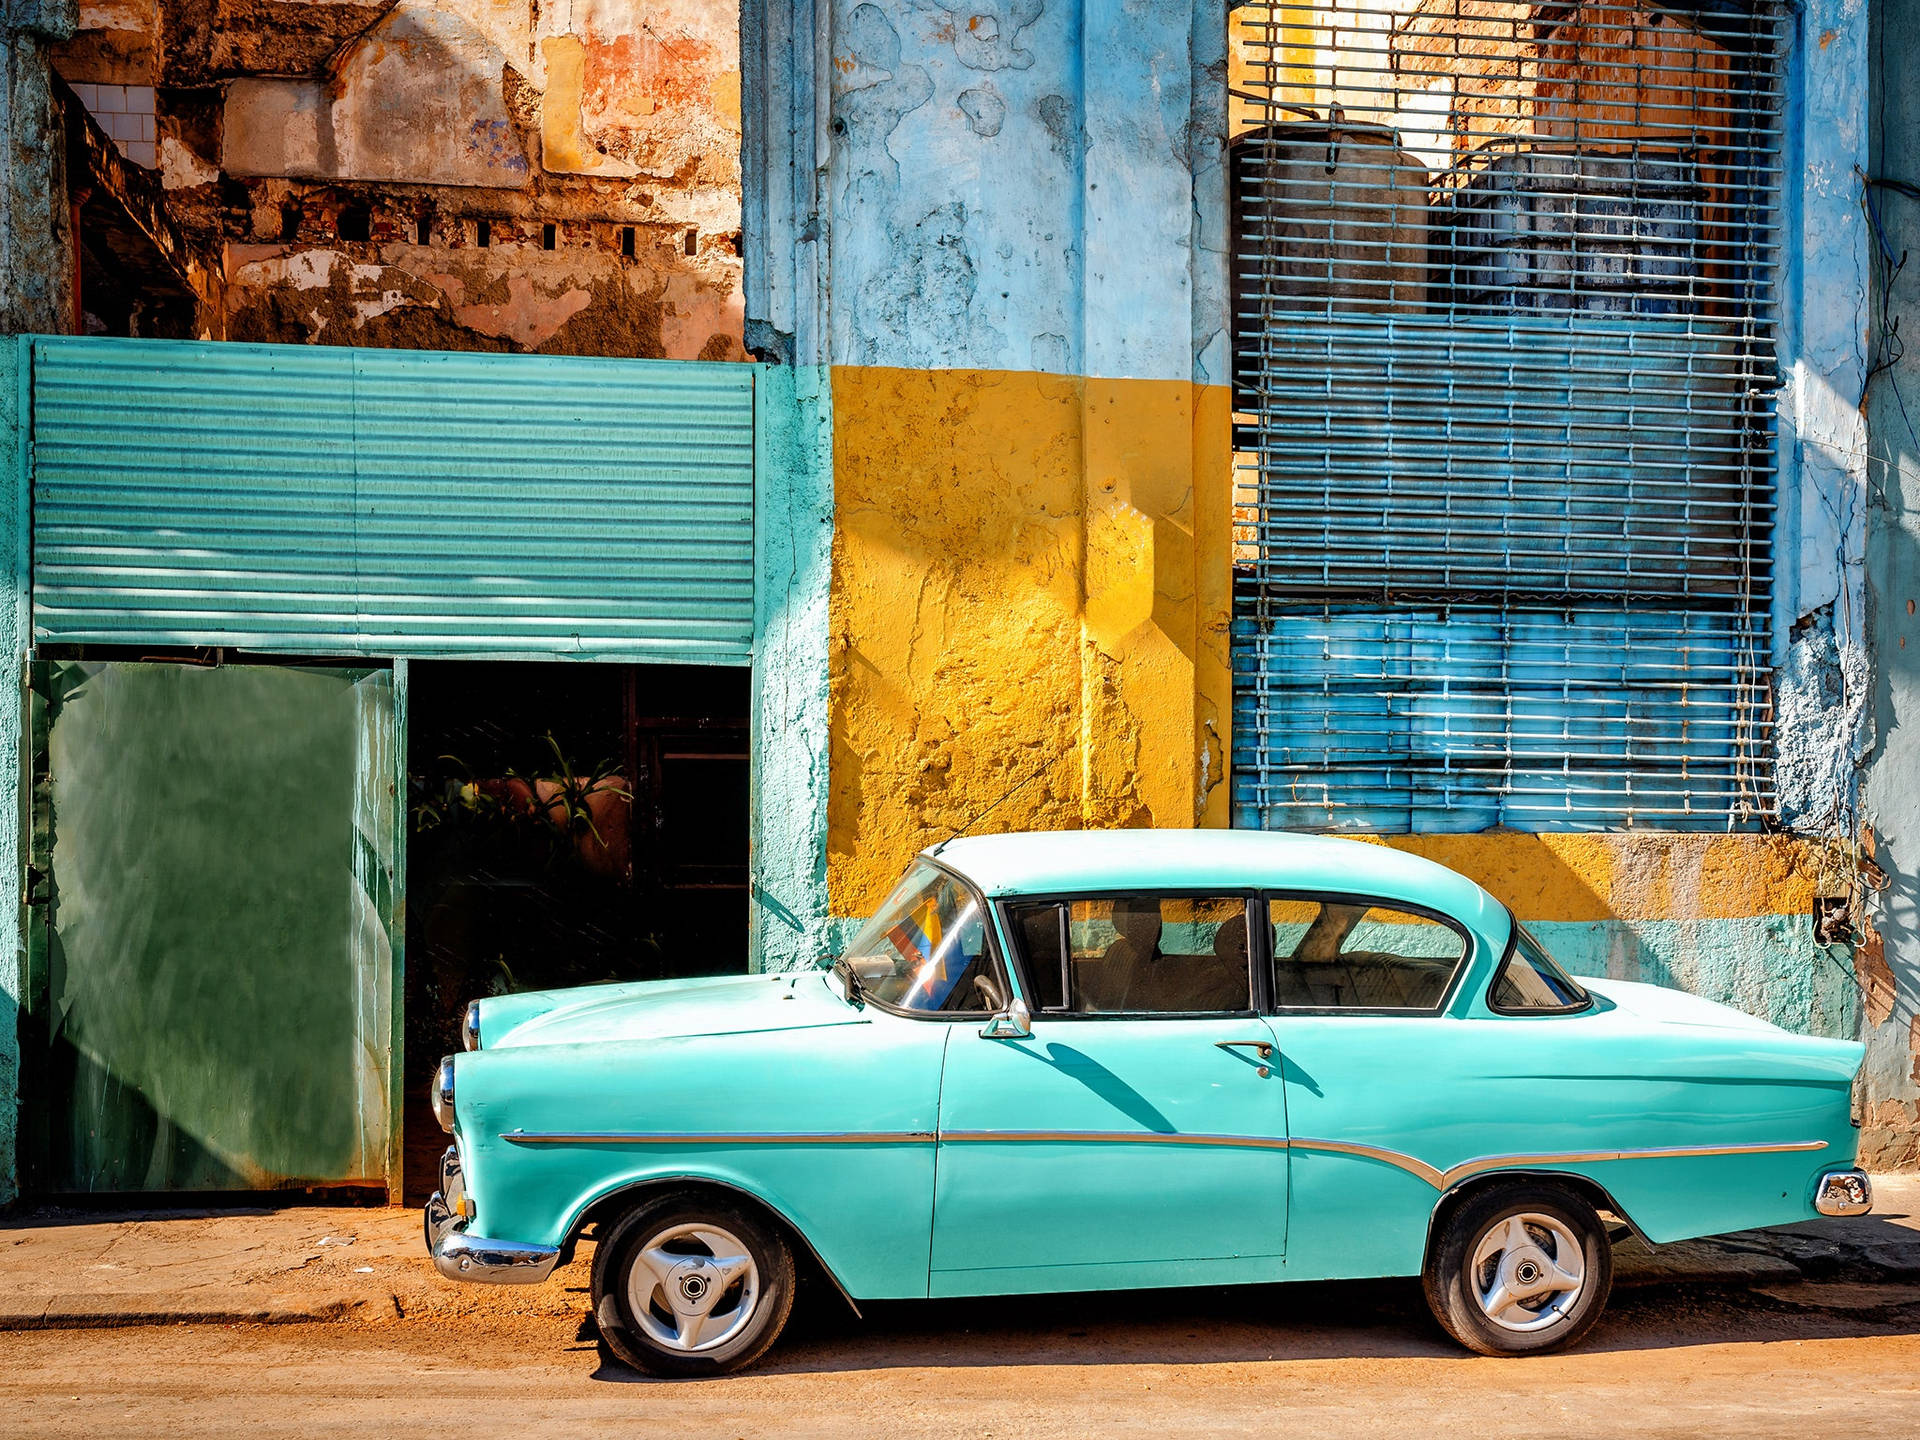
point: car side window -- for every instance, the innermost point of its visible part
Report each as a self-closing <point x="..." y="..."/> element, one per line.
<point x="1136" y="955"/>
<point x="1337" y="954"/>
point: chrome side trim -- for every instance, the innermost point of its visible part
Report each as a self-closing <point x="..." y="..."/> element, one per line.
<point x="1112" y="1137"/>
<point x="1470" y="1168"/>
<point x="1439" y="1179"/>
<point x="670" y="1137"/>
<point x="1417" y="1168"/>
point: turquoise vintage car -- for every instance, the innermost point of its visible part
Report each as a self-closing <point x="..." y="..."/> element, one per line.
<point x="1082" y="1061"/>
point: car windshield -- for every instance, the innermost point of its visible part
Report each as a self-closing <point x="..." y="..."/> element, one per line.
<point x="926" y="947"/>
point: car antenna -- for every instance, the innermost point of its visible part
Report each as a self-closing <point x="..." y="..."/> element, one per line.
<point x="967" y="828"/>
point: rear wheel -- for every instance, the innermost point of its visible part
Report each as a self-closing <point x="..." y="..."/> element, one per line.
<point x="1519" y="1269"/>
<point x="685" y="1285"/>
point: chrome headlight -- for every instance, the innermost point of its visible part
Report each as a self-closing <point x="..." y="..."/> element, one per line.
<point x="470" y="1027"/>
<point x="442" y="1094"/>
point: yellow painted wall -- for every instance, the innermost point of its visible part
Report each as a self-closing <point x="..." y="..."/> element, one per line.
<point x="1031" y="585"/>
<point x="1643" y="875"/>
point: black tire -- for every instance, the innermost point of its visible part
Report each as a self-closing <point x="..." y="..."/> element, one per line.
<point x="1455" y="1286"/>
<point x="620" y="1275"/>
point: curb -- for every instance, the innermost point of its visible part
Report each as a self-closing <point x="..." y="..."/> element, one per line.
<point x="1698" y="1263"/>
<point x="68" y="1312"/>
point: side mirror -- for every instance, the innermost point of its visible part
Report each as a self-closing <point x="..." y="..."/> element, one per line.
<point x="1013" y="1023"/>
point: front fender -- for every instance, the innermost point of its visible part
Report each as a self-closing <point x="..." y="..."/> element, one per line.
<point x="833" y="1130"/>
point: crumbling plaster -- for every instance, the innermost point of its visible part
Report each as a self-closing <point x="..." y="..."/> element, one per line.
<point x="1819" y="617"/>
<point x="1030" y="468"/>
<point x="461" y="174"/>
<point x="793" y="532"/>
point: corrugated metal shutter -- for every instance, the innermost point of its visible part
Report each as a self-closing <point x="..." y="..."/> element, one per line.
<point x="1503" y="351"/>
<point x="335" y="501"/>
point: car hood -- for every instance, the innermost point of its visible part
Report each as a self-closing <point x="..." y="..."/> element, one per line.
<point x="657" y="1009"/>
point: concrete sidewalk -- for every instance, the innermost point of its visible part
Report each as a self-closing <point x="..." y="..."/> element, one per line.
<point x="69" y="1270"/>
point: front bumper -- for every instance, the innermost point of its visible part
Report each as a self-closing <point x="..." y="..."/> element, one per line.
<point x="1843" y="1192"/>
<point x="461" y="1256"/>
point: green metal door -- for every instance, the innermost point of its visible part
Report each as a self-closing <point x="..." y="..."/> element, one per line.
<point x="213" y="926"/>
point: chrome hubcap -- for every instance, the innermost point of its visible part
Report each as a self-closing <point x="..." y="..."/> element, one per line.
<point x="1527" y="1272"/>
<point x="693" y="1287"/>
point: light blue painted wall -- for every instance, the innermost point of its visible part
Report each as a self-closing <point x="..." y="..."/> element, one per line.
<point x="1766" y="965"/>
<point x="1028" y="185"/>
<point x="1819" y="598"/>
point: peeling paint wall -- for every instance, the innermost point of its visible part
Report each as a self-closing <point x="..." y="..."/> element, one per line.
<point x="454" y="174"/>
<point x="1819" y="616"/>
<point x="36" y="259"/>
<point x="1022" y="314"/>
<point x="1030" y="467"/>
<point x="1019" y="640"/>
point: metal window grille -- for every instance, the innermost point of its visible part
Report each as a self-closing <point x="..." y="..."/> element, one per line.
<point x="1503" y="360"/>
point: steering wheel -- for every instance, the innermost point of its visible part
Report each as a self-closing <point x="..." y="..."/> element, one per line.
<point x="988" y="991"/>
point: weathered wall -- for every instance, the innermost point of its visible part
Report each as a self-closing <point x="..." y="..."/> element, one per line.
<point x="793" y="537"/>
<point x="13" y="638"/>
<point x="1030" y="449"/>
<point x="454" y="174"/>
<point x="36" y="273"/>
<point x="36" y="257"/>
<point x="1020" y="635"/>
<point x="1726" y="916"/>
<point x="1022" y="312"/>
<point x="1892" y="964"/>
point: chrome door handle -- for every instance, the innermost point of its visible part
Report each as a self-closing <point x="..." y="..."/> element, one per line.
<point x="1261" y="1048"/>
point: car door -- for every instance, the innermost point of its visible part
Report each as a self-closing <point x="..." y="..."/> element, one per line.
<point x="1371" y="1065"/>
<point x="1137" y="1134"/>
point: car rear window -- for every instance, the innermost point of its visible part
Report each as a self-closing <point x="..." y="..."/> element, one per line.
<point x="1529" y="982"/>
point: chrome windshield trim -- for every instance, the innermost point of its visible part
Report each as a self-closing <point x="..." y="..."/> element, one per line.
<point x="674" y="1137"/>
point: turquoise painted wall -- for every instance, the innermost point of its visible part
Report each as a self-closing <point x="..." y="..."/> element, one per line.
<point x="793" y="541"/>
<point x="1766" y="965"/>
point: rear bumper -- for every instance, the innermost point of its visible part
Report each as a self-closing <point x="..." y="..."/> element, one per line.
<point x="462" y="1256"/>
<point x="1843" y="1192"/>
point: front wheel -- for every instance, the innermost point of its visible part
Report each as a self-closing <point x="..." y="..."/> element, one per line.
<point x="1519" y="1269"/>
<point x="688" y="1286"/>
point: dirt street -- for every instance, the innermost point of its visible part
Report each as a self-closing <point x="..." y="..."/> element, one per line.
<point x="1319" y="1361"/>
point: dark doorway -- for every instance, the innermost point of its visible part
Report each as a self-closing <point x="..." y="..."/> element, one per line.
<point x="569" y="824"/>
